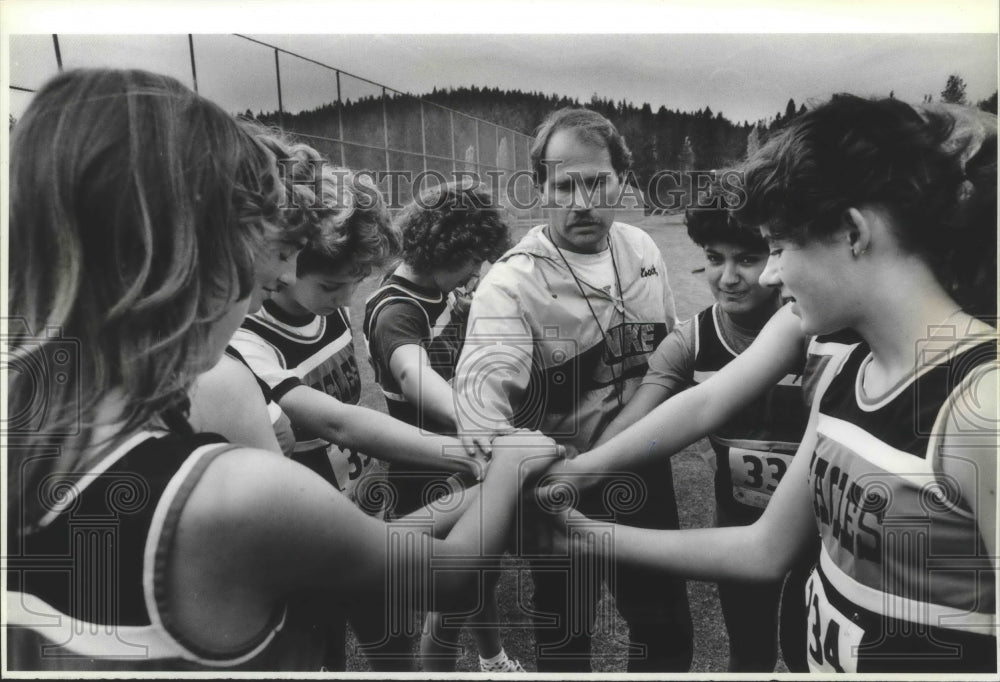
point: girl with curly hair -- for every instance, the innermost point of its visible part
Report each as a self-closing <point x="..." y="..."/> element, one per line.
<point x="414" y="326"/>
<point x="414" y="322"/>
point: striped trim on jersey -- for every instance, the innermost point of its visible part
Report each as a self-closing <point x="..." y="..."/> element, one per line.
<point x="852" y="629"/>
<point x="821" y="352"/>
<point x="397" y="290"/>
<point x="441" y="336"/>
<point x="899" y="538"/>
<point x="92" y="579"/>
<point x="318" y="352"/>
<point x="274" y="410"/>
<point x="306" y="350"/>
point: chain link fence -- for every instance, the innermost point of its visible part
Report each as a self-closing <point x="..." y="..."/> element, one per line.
<point x="355" y="122"/>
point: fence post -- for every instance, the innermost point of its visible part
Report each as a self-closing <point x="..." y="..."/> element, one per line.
<point x="55" y="43"/>
<point x="340" y="123"/>
<point x="423" y="136"/>
<point x="479" y="162"/>
<point x="385" y="128"/>
<point x="474" y="159"/>
<point x="194" y="70"/>
<point x="454" y="160"/>
<point x="281" y="106"/>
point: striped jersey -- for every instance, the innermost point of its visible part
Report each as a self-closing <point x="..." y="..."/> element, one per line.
<point x="904" y="581"/>
<point x="87" y="589"/>
<point x="430" y="320"/>
<point x="288" y="351"/>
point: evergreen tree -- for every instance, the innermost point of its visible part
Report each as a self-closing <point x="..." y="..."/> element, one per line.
<point x="989" y="104"/>
<point x="777" y="122"/>
<point x="954" y="90"/>
<point x="668" y="139"/>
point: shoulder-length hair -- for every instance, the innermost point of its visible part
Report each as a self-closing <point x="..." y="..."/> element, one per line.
<point x="135" y="212"/>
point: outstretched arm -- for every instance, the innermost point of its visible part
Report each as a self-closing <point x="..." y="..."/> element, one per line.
<point x="645" y="399"/>
<point x="763" y="551"/>
<point x="671" y="370"/>
<point x="422" y="385"/>
<point x="257" y="527"/>
<point x="349" y="426"/>
<point x="374" y="433"/>
<point x="698" y="411"/>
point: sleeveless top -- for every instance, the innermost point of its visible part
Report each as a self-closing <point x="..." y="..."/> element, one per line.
<point x="755" y="448"/>
<point x="904" y="581"/>
<point x="87" y="588"/>
<point x="287" y="351"/>
<point x="442" y="335"/>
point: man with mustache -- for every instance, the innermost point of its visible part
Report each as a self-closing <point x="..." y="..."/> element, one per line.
<point x="559" y="335"/>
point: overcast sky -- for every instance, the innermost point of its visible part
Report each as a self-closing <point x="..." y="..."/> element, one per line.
<point x="746" y="76"/>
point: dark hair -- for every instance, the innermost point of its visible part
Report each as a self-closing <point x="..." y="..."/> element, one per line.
<point x="355" y="229"/>
<point x="591" y="127"/>
<point x="970" y="261"/>
<point x="853" y="151"/>
<point x="451" y="224"/>
<point x="715" y="223"/>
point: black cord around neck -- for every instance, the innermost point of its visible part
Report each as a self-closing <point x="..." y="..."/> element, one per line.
<point x="618" y="382"/>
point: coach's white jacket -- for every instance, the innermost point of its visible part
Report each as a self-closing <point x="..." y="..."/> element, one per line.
<point x="534" y="356"/>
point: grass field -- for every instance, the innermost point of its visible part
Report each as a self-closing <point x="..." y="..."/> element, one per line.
<point x="692" y="482"/>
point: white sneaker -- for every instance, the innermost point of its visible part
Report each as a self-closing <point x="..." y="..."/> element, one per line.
<point x="511" y="665"/>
